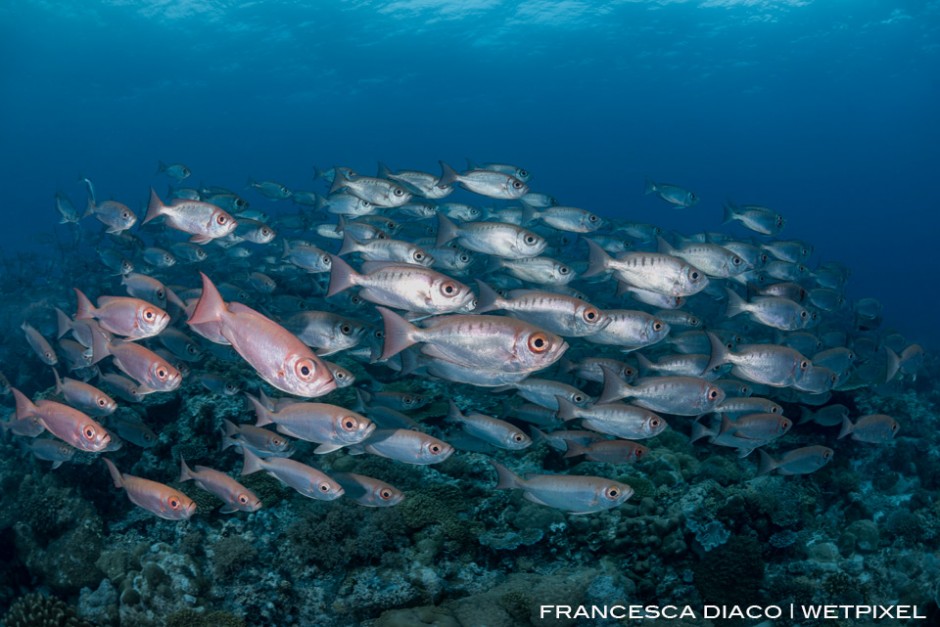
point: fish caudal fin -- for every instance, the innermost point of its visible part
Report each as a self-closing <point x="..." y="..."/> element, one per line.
<point x="252" y="462"/>
<point x="185" y="472"/>
<point x="115" y="473"/>
<point x="210" y="306"/>
<point x="719" y="353"/>
<point x="767" y="463"/>
<point x="399" y="333"/>
<point x="84" y="309"/>
<point x="736" y="304"/>
<point x="446" y="230"/>
<point x="598" y="260"/>
<point x="507" y="478"/>
<point x="342" y="276"/>
<point x="156" y="207"/>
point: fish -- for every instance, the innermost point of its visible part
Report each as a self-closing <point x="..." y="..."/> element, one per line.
<point x="421" y="183"/>
<point x="116" y="216"/>
<point x="66" y="210"/>
<point x="305" y="479"/>
<point x="871" y="428"/>
<point x="237" y="497"/>
<point x="66" y="423"/>
<point x="656" y="272"/>
<point x="176" y="171"/>
<point x="569" y="219"/>
<point x="772" y="311"/>
<point x="617" y="419"/>
<point x="368" y="491"/>
<point x="133" y="318"/>
<point x="262" y="442"/>
<point x="508" y="241"/>
<point x="575" y="494"/>
<point x="402" y="286"/>
<point x="151" y="372"/>
<point x="681" y="396"/>
<point x="489" y="183"/>
<point x="673" y="194"/>
<point x="271" y="189"/>
<point x="330" y="426"/>
<point x="557" y="313"/>
<point x="277" y="355"/>
<point x="800" y="461"/>
<point x="493" y="431"/>
<point x="609" y="451"/>
<point x="754" y="217"/>
<point x="768" y="364"/>
<point x="202" y="220"/>
<point x="376" y="191"/>
<point x="157" y="498"/>
<point x="40" y="345"/>
<point x="47" y="449"/>
<point x="84" y="397"/>
<point x="407" y="446"/>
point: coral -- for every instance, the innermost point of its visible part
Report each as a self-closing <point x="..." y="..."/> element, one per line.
<point x="732" y="573"/>
<point x="709" y="535"/>
<point x="510" y="540"/>
<point x="865" y="534"/>
<point x="39" y="610"/>
<point x="191" y="618"/>
<point x="230" y="555"/>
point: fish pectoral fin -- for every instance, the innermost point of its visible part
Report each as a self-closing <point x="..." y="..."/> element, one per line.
<point x="323" y="449"/>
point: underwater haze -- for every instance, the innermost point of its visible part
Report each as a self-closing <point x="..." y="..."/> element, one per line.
<point x="457" y="312"/>
<point x="824" y="111"/>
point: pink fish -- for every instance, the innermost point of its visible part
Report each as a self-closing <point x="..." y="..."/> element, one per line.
<point x="237" y="497"/>
<point x="84" y="396"/>
<point x="154" y="497"/>
<point x="204" y="221"/>
<point x="66" y="423"/>
<point x="132" y="318"/>
<point x="276" y="354"/>
<point x="40" y="345"/>
<point x="152" y="372"/>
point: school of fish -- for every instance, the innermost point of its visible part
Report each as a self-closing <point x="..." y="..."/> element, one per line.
<point x="599" y="332"/>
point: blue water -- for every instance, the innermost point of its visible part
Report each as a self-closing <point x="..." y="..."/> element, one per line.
<point x="825" y="111"/>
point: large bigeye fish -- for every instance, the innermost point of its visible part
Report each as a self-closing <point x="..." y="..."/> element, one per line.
<point x="202" y="220"/>
<point x="154" y="497"/>
<point x="276" y="354"/>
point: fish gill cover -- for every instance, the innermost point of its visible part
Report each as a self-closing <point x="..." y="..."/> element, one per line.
<point x="436" y="312"/>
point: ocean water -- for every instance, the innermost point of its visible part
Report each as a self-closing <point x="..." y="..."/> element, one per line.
<point x="824" y="111"/>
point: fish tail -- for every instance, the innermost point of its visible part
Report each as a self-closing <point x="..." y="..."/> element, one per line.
<point x="25" y="408"/>
<point x="84" y="309"/>
<point x="448" y="176"/>
<point x="650" y="186"/>
<point x="185" y="472"/>
<point x="350" y="244"/>
<point x="767" y="463"/>
<point x="58" y="381"/>
<point x="100" y="345"/>
<point x="700" y="430"/>
<point x="488" y="300"/>
<point x="263" y="415"/>
<point x="598" y="259"/>
<point x="575" y="449"/>
<point x="614" y="387"/>
<point x="729" y="212"/>
<point x="63" y="321"/>
<point x="736" y="304"/>
<point x="664" y="247"/>
<point x="805" y="415"/>
<point x="399" y="333"/>
<point x="446" y="230"/>
<point x="453" y="412"/>
<point x="719" y="353"/>
<point x="155" y="208"/>
<point x="893" y="364"/>
<point x="115" y="473"/>
<point x="90" y="208"/>
<point x="342" y="276"/>
<point x="847" y="428"/>
<point x="566" y="409"/>
<point x="252" y="462"/>
<point x="507" y="478"/>
<point x="644" y="365"/>
<point x="210" y="306"/>
<point x="340" y="179"/>
<point x="529" y="214"/>
<point x="383" y="171"/>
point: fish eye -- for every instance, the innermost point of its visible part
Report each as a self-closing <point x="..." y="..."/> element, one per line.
<point x="774" y="410"/>
<point x="345" y="329"/>
<point x="592" y="218"/>
<point x="278" y="442"/>
<point x="89" y="432"/>
<point x="305" y="368"/>
<point x="435" y="448"/>
<point x="265" y="231"/>
<point x="448" y="288"/>
<point x="162" y="373"/>
<point x="517" y="184"/>
<point x="827" y="454"/>
<point x="161" y="294"/>
<point x="385" y="494"/>
<point x="529" y="239"/>
<point x="577" y="398"/>
<point x="125" y="215"/>
<point x="174" y="503"/>
<point x="419" y="256"/>
<point x="518" y="437"/>
<point x="399" y="191"/>
<point x="349" y="423"/>
<point x="563" y="270"/>
<point x="464" y="258"/>
<point x="102" y="402"/>
<point x="613" y="493"/>
<point x="379" y="334"/>
<point x="694" y="275"/>
<point x="713" y="394"/>
<point x="221" y="219"/>
<point x="654" y="422"/>
<point x="538" y="343"/>
<point x="326" y="260"/>
<point x="804" y="315"/>
<point x="638" y="453"/>
<point x="628" y="372"/>
<point x="323" y="487"/>
<point x="192" y="350"/>
<point x="339" y="375"/>
<point x="522" y="172"/>
<point x="407" y="400"/>
<point x="591" y="315"/>
<point x="243" y="499"/>
<point x="657" y="325"/>
<point x="804" y="365"/>
<point x="736" y="261"/>
<point x="230" y="389"/>
<point x="149" y="314"/>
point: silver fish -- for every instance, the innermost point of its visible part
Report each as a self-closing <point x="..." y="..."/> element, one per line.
<point x="571" y="493"/>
